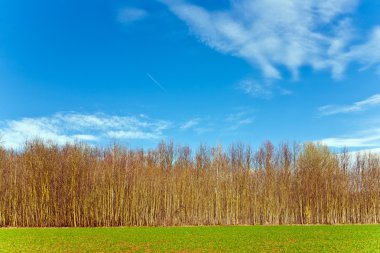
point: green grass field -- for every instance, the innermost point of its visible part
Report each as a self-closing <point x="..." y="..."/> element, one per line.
<point x="359" y="238"/>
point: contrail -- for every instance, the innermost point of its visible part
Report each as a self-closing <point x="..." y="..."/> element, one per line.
<point x="156" y="82"/>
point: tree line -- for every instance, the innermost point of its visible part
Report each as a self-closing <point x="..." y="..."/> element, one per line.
<point x="77" y="185"/>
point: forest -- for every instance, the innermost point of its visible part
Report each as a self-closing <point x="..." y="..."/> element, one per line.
<point x="77" y="185"/>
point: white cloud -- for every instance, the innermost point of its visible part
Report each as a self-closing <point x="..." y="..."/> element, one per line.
<point x="291" y="33"/>
<point x="347" y="142"/>
<point x="63" y="128"/>
<point x="353" y="154"/>
<point x="366" y="139"/>
<point x="356" y="107"/>
<point x="85" y="137"/>
<point x="129" y="15"/>
<point x="15" y="133"/>
<point x="371" y="150"/>
<point x="133" y="135"/>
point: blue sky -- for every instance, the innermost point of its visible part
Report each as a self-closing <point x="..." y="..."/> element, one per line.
<point x="190" y="71"/>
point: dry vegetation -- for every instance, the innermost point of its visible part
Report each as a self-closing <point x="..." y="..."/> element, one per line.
<point x="80" y="186"/>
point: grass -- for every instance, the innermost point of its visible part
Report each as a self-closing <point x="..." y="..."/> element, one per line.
<point x="357" y="238"/>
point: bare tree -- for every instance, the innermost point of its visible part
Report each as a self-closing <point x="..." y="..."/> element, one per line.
<point x="76" y="185"/>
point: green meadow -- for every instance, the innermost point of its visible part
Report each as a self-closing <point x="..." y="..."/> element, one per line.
<point x="356" y="238"/>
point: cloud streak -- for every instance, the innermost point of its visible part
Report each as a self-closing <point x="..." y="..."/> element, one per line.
<point x="159" y="85"/>
<point x="272" y="34"/>
<point x="63" y="128"/>
<point x="359" y="106"/>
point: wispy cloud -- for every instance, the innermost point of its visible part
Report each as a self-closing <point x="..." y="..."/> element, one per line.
<point x="65" y="128"/>
<point x="190" y="124"/>
<point x="129" y="15"/>
<point x="355" y="107"/>
<point x="239" y="119"/>
<point x="255" y="89"/>
<point x="198" y="125"/>
<point x="159" y="85"/>
<point x="266" y="89"/>
<point x="367" y="53"/>
<point x="277" y="33"/>
<point x="365" y="139"/>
